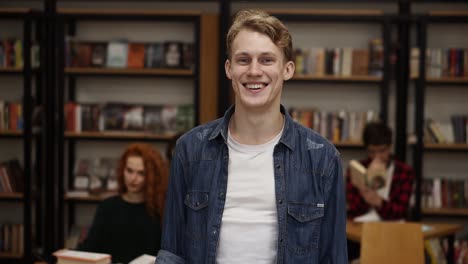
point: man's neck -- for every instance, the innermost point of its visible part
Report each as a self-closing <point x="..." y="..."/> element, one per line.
<point x="255" y="128"/>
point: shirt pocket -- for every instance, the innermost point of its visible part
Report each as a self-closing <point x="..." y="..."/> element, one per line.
<point x="196" y="203"/>
<point x="304" y="221"/>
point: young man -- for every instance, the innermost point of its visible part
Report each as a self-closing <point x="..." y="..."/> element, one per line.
<point x="253" y="186"/>
<point x="389" y="202"/>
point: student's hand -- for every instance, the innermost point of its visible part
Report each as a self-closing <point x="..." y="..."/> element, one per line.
<point x="377" y="166"/>
<point x="371" y="197"/>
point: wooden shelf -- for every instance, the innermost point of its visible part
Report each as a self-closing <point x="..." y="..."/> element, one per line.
<point x="349" y="144"/>
<point x="88" y="198"/>
<point x="448" y="13"/>
<point x="126" y="12"/>
<point x="332" y="12"/>
<point x="454" y="146"/>
<point x="446" y="211"/>
<point x="10" y="133"/>
<point x="7" y="255"/>
<point x="450" y="80"/>
<point x="7" y="10"/>
<point x="129" y="71"/>
<point x="11" y="196"/>
<point x="10" y="69"/>
<point x="119" y="135"/>
<point x="333" y="78"/>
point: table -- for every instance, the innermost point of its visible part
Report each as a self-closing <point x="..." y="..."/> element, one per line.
<point x="437" y="230"/>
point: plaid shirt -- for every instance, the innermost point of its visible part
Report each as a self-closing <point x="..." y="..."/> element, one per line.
<point x="396" y="207"/>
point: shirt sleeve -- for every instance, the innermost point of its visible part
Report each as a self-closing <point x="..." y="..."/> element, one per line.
<point x="172" y="242"/>
<point x="396" y="207"/>
<point x="356" y="204"/>
<point x="333" y="247"/>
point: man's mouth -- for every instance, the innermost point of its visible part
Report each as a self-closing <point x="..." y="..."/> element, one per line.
<point x="255" y="86"/>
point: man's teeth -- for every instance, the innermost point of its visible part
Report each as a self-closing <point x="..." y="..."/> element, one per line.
<point x="254" y="86"/>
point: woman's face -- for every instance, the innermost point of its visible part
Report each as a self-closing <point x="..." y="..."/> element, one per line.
<point x="134" y="174"/>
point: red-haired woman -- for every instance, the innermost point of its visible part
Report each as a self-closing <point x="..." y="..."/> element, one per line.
<point x="129" y="224"/>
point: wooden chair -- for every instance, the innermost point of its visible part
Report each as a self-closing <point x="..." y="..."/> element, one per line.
<point x="392" y="243"/>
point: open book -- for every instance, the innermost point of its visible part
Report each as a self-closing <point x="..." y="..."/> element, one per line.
<point x="361" y="177"/>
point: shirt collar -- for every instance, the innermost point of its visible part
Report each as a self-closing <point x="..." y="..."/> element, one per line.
<point x="288" y="133"/>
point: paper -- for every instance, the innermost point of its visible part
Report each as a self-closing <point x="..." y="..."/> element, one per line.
<point x="144" y="259"/>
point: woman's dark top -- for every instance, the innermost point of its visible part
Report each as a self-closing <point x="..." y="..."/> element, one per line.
<point x="124" y="230"/>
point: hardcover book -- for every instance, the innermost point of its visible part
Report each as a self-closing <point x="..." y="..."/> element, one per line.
<point x="361" y="177"/>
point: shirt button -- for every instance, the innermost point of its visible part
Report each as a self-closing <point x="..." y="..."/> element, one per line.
<point x="280" y="201"/>
<point x="281" y="240"/>
<point x="221" y="195"/>
<point x="277" y="166"/>
<point x="214" y="232"/>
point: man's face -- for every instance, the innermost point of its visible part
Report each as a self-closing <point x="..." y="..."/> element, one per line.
<point x="381" y="152"/>
<point x="257" y="70"/>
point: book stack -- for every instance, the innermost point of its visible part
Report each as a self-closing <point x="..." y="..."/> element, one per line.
<point x="346" y="62"/>
<point x="11" y="177"/>
<point x="66" y="256"/>
<point x="12" y="239"/>
<point x="441" y="62"/>
<point x="11" y="116"/>
<point x="342" y="126"/>
<point x="124" y="54"/>
<point x="11" y="54"/>
<point x="157" y="119"/>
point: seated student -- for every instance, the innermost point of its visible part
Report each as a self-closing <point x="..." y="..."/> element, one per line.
<point x="129" y="224"/>
<point x="391" y="200"/>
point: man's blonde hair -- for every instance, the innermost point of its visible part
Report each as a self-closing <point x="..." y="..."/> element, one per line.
<point x="261" y="22"/>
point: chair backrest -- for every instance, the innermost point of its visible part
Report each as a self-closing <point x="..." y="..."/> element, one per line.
<point x="392" y="243"/>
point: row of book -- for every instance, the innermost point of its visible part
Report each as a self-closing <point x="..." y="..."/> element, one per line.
<point x="12" y="238"/>
<point x="342" y="126"/>
<point x="441" y="62"/>
<point x="124" y="54"/>
<point x="157" y="119"/>
<point x="11" y="54"/>
<point x="92" y="176"/>
<point x="11" y="176"/>
<point x="444" y="193"/>
<point x="435" y="251"/>
<point x="319" y="61"/>
<point x="444" y="132"/>
<point x="11" y="116"/>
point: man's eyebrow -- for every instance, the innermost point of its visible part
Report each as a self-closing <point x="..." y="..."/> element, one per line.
<point x="266" y="53"/>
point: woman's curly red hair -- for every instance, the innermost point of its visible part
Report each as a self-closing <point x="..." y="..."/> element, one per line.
<point x="156" y="177"/>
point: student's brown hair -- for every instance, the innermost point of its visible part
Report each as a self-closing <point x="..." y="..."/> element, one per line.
<point x="261" y="22"/>
<point x="156" y="176"/>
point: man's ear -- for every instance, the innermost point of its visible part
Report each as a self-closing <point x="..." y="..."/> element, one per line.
<point x="288" y="71"/>
<point x="227" y="68"/>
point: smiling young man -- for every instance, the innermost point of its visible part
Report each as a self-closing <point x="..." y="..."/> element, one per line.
<point x="254" y="186"/>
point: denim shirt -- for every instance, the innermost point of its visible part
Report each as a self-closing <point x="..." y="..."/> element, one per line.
<point x="310" y="196"/>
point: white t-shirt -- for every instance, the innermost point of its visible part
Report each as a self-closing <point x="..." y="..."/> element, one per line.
<point x="249" y="228"/>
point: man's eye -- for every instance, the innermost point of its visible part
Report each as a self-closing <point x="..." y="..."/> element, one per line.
<point x="266" y="60"/>
<point x="242" y="60"/>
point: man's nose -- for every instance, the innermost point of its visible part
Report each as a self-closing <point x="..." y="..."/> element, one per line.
<point x="255" y="69"/>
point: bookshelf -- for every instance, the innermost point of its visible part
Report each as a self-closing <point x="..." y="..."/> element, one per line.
<point x="156" y="84"/>
<point x="18" y="141"/>
<point x="453" y="88"/>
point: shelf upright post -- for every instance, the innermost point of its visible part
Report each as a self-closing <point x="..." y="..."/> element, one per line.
<point x="402" y="82"/>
